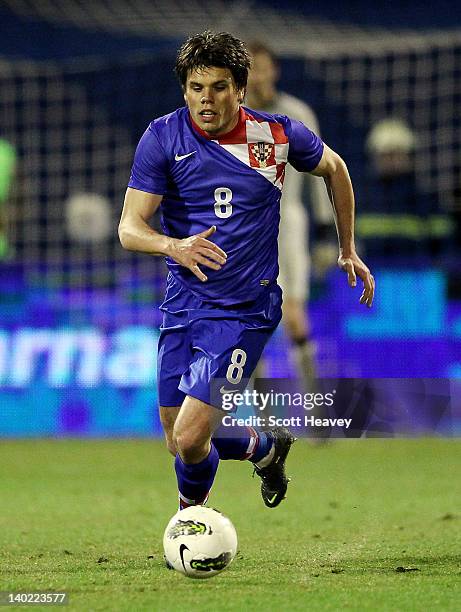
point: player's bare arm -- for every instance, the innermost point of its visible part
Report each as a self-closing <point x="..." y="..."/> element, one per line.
<point x="334" y="171"/>
<point x="136" y="235"/>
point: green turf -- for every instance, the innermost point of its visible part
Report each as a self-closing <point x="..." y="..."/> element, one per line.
<point x="356" y="511"/>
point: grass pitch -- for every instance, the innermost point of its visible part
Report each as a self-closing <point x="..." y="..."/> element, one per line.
<point x="87" y="517"/>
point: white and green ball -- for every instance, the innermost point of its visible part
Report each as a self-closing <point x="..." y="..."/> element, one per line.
<point x="199" y="542"/>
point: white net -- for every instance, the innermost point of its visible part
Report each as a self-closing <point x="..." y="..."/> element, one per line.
<point x="74" y="164"/>
<point x="75" y="127"/>
<point x="420" y="85"/>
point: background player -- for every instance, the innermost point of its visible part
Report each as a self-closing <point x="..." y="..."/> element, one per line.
<point x="217" y="170"/>
<point x="294" y="260"/>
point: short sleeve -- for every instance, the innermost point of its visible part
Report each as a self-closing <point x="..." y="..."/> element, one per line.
<point x="150" y="166"/>
<point x="306" y="148"/>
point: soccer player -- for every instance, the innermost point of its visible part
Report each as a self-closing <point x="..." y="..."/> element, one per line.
<point x="216" y="168"/>
<point x="294" y="260"/>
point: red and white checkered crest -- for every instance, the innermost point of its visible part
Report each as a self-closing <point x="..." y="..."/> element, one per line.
<point x="262" y="152"/>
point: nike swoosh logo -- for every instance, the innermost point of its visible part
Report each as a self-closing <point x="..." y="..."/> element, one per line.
<point x="182" y="548"/>
<point x="223" y="390"/>
<point x="180" y="157"/>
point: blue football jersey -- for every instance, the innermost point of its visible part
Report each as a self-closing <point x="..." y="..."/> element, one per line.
<point x="232" y="181"/>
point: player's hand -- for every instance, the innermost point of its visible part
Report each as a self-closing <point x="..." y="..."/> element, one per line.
<point x="195" y="250"/>
<point x="354" y="266"/>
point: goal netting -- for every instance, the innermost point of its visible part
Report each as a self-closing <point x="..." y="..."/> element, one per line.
<point x="75" y="129"/>
<point x="75" y="126"/>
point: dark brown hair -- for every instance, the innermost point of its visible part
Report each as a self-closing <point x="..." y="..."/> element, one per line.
<point x="213" y="49"/>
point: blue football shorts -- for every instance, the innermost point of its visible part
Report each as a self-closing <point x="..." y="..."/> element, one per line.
<point x="200" y="342"/>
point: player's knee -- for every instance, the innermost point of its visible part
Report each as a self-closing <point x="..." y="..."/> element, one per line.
<point x="168" y="418"/>
<point x="190" y="446"/>
<point x="171" y="446"/>
<point x="170" y="443"/>
<point x="185" y="443"/>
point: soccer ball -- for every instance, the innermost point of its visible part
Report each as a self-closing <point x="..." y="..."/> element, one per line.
<point x="199" y="542"/>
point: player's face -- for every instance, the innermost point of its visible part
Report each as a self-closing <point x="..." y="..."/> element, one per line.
<point x="213" y="99"/>
<point x="262" y="79"/>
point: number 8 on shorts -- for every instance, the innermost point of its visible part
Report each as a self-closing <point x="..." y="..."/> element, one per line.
<point x="235" y="370"/>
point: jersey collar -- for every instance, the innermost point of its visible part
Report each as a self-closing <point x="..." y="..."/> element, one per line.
<point x="223" y="138"/>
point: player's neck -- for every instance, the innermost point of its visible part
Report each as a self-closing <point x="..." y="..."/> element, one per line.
<point x="234" y="126"/>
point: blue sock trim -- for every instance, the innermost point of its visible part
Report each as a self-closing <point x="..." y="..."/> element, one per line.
<point x="265" y="444"/>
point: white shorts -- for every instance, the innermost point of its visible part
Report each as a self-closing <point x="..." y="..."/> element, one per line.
<point x="294" y="259"/>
